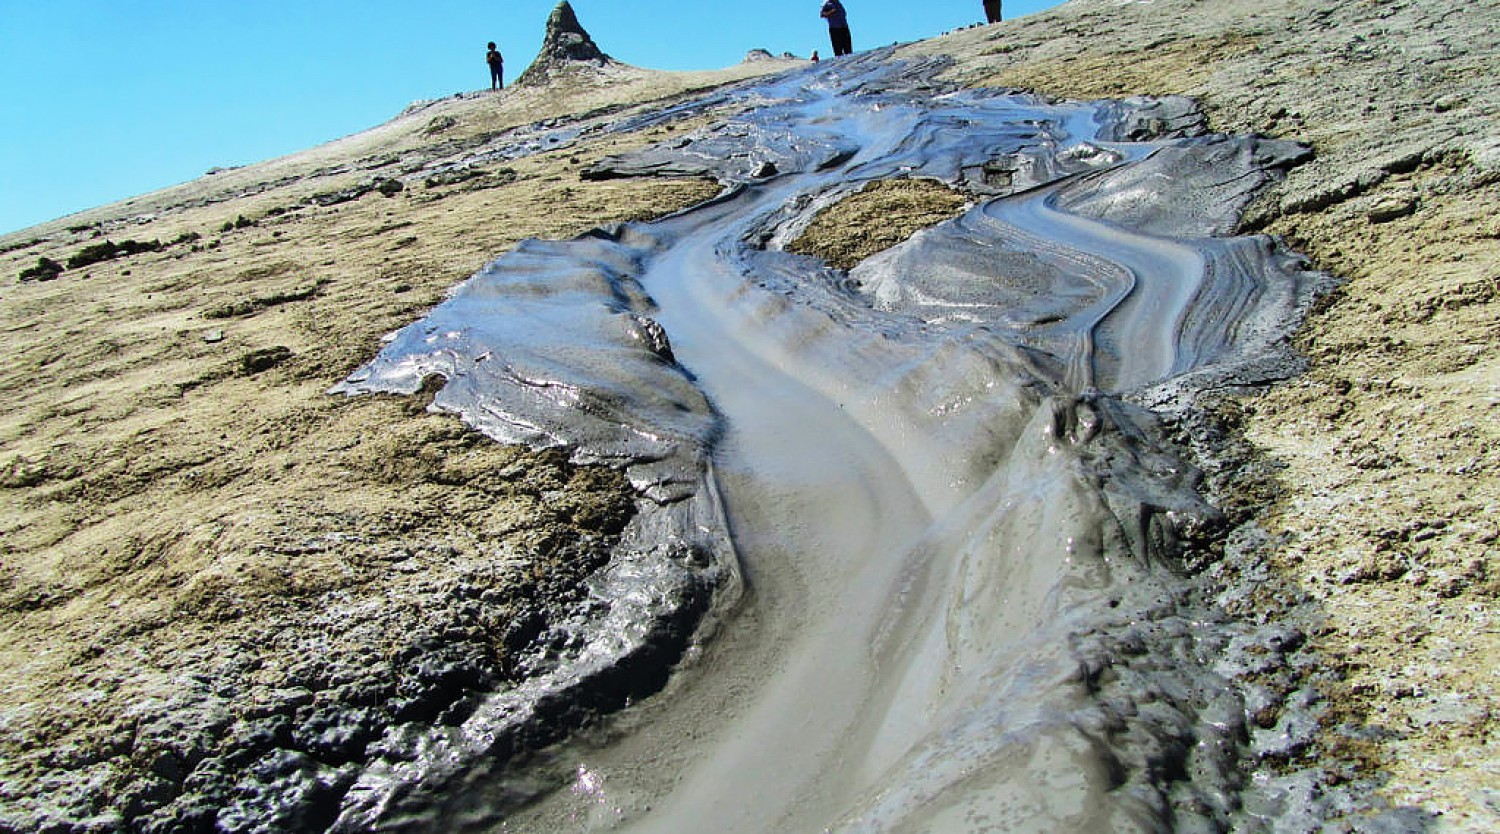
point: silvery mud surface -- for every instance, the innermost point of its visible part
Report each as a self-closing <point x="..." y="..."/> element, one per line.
<point x="926" y="502"/>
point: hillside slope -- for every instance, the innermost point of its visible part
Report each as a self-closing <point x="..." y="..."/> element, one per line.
<point x="189" y="518"/>
<point x="196" y="537"/>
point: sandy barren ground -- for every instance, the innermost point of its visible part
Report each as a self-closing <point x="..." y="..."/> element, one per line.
<point x="183" y="508"/>
<point x="189" y="519"/>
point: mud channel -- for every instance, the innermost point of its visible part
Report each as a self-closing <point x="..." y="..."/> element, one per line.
<point x="924" y="505"/>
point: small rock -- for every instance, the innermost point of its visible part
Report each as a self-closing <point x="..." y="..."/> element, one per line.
<point x="764" y="170"/>
<point x="1399" y="689"/>
<point x="265" y="359"/>
<point x="1445" y="103"/>
<point x="213" y="337"/>
<point x="1392" y="208"/>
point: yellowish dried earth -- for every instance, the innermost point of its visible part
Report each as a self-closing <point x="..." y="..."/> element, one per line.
<point x="176" y="481"/>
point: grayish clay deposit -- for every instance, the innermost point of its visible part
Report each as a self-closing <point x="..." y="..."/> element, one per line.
<point x="939" y="475"/>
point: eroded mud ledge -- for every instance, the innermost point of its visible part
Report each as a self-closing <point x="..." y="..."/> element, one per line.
<point x="984" y="389"/>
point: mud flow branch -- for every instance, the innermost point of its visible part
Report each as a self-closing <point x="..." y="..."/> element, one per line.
<point x="939" y="471"/>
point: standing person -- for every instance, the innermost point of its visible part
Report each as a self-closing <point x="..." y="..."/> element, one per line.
<point x="838" y="27"/>
<point x="992" y="10"/>
<point x="497" y="67"/>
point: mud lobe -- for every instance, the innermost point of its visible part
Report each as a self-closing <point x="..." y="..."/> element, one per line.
<point x="1019" y="506"/>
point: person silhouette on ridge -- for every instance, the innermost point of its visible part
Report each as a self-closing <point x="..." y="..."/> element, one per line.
<point x="838" y="27"/>
<point x="992" y="11"/>
<point x="497" y="67"/>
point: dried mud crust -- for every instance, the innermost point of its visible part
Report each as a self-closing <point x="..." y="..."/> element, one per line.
<point x="218" y="583"/>
<point x="1370" y="481"/>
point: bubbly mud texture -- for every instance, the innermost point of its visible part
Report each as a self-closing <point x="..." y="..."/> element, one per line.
<point x="958" y="523"/>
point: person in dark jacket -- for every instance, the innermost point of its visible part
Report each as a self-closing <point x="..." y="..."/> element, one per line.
<point x="992" y="10"/>
<point x="497" y="67"/>
<point x="838" y="27"/>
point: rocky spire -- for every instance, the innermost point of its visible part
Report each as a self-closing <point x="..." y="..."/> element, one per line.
<point x="566" y="45"/>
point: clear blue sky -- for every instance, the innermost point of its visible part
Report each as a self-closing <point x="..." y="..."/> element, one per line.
<point x="100" y="101"/>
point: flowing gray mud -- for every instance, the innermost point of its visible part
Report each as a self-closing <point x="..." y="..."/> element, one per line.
<point x="937" y="474"/>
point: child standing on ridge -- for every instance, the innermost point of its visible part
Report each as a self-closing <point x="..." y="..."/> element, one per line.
<point x="497" y="67"/>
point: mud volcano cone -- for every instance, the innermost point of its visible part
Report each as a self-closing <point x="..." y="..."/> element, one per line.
<point x="565" y="46"/>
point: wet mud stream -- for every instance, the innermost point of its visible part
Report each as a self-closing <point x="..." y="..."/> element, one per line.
<point x="924" y="504"/>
